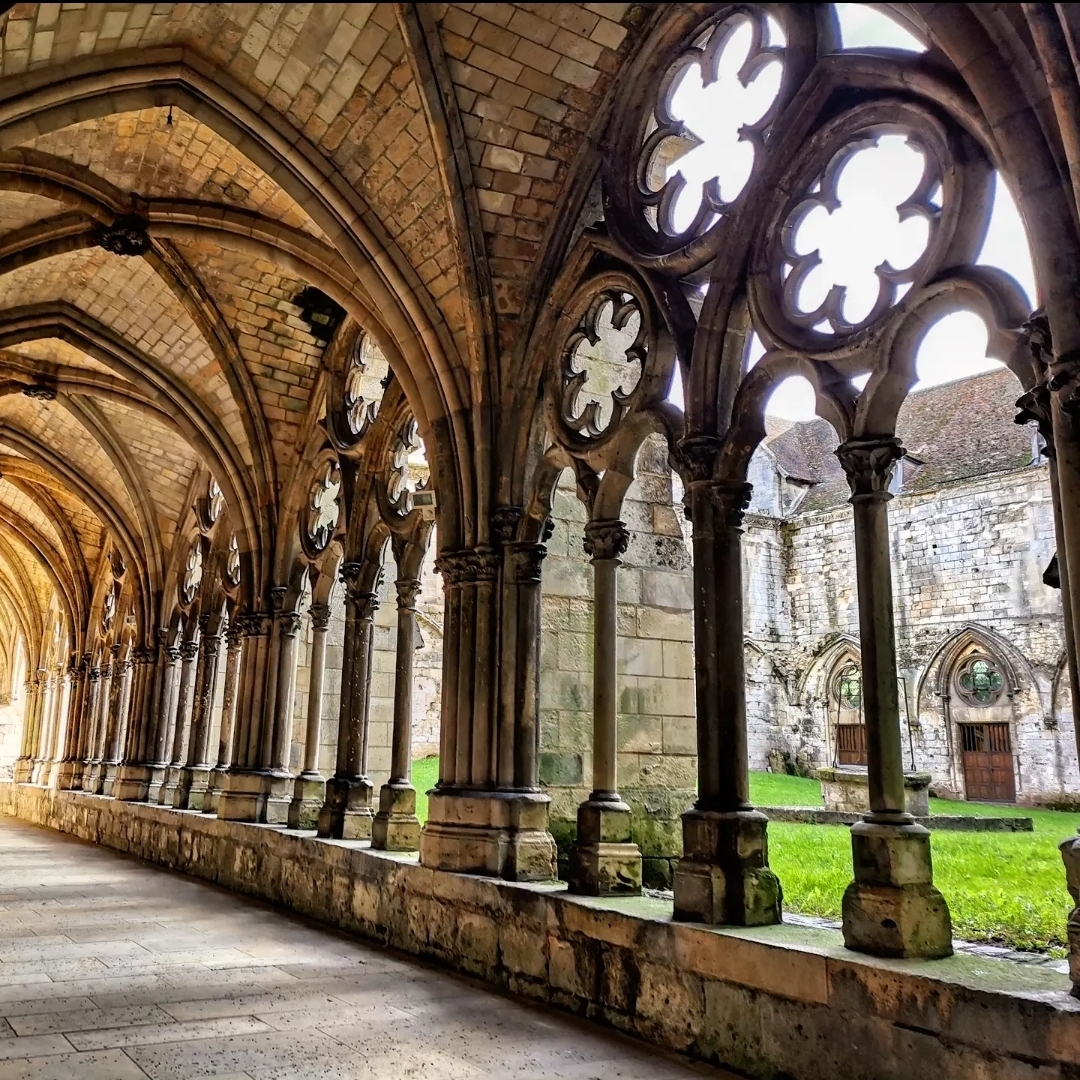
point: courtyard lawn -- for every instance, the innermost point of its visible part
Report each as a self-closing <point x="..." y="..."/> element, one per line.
<point x="1005" y="888"/>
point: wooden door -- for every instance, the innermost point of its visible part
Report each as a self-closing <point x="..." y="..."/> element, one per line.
<point x="988" y="763"/>
<point x="851" y="744"/>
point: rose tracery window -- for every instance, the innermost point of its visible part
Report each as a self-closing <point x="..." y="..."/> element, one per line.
<point x="711" y="114"/>
<point x="853" y="244"/>
<point x="603" y="362"/>
<point x="408" y="470"/>
<point x="978" y="681"/>
<point x="324" y="507"/>
<point x="193" y="572"/>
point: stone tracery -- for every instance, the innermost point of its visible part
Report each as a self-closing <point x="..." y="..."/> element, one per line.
<point x="251" y="472"/>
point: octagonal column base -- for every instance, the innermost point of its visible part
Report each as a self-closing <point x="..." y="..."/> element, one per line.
<point x="892" y="907"/>
<point x="723" y="877"/>
<point x="309" y="794"/>
<point x="132" y="783"/>
<point x="347" y="812"/>
<point x="396" y="826"/>
<point x="604" y="860"/>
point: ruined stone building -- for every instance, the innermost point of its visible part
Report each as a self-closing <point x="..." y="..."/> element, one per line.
<point x="387" y="380"/>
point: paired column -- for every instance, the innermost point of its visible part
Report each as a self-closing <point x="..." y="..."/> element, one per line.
<point x="723" y="877"/>
<point x="226" y="748"/>
<point x="309" y="790"/>
<point x="169" y="675"/>
<point x="892" y="907"/>
<point x="347" y="813"/>
<point x="191" y="793"/>
<point x="185" y="702"/>
<point x="133" y="775"/>
<point x="396" y="826"/>
<point x="66" y="773"/>
<point x="119" y="706"/>
<point x="604" y="860"/>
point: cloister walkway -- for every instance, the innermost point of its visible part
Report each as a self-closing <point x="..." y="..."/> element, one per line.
<point x="112" y="969"/>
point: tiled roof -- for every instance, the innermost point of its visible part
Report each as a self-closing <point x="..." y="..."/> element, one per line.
<point x="953" y="431"/>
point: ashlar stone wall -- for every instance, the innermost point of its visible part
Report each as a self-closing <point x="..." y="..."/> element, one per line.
<point x="657" y="763"/>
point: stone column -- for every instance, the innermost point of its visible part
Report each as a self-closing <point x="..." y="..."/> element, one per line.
<point x="396" y="826"/>
<point x="487" y="815"/>
<point x="24" y="764"/>
<point x="65" y="773"/>
<point x="94" y="777"/>
<point x="892" y="907"/>
<point x="133" y="776"/>
<point x="169" y="670"/>
<point x="347" y="812"/>
<point x="226" y="748"/>
<point x="604" y="860"/>
<point x="192" y="792"/>
<point x="723" y="877"/>
<point x="50" y="775"/>
<point x="309" y="790"/>
<point x="39" y="762"/>
<point x="279" y="795"/>
<point x="118" y="713"/>
<point x="185" y="701"/>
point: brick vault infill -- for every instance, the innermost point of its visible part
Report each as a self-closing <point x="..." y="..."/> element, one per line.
<point x="781" y="1001"/>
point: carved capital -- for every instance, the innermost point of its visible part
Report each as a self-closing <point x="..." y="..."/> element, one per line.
<point x="189" y="651"/>
<point x="868" y="464"/>
<point x="211" y="643"/>
<point x="365" y="604"/>
<point x="142" y="655"/>
<point x="606" y="539"/>
<point x="451" y="564"/>
<point x="277" y="598"/>
<point x="486" y="564"/>
<point x="528" y="562"/>
<point x="505" y="520"/>
<point x="320" y="616"/>
<point x="162" y="636"/>
<point x="93" y="675"/>
<point x="696" y="457"/>
<point x="127" y="235"/>
<point x="408" y="589"/>
<point x="172" y="654"/>
<point x="255" y="624"/>
<point x="234" y="636"/>
<point x="731" y="500"/>
<point x="289" y="623"/>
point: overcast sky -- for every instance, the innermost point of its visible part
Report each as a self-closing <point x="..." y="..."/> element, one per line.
<point x="865" y="229"/>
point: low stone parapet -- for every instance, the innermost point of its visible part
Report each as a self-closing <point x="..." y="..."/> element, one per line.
<point x="813" y="815"/>
<point x="768" y="1002"/>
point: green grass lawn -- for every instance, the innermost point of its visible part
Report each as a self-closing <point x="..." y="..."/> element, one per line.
<point x="1007" y="888"/>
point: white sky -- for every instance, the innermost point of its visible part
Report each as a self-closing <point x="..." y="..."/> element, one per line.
<point x="870" y="187"/>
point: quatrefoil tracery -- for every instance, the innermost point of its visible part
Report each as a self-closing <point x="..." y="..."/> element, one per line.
<point x="323" y="507"/>
<point x="603" y="362"/>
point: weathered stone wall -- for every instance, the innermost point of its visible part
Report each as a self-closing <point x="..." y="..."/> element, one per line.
<point x="772" y="1002"/>
<point x="966" y="558"/>
<point x="11" y="720"/>
<point x="657" y="764"/>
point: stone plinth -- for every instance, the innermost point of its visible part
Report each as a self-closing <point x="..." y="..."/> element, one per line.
<point x="764" y="1001"/>
<point x="846" y="789"/>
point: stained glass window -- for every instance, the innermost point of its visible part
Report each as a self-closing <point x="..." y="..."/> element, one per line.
<point x="979" y="681"/>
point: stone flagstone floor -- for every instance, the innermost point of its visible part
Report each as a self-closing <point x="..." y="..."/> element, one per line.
<point x="113" y="969"/>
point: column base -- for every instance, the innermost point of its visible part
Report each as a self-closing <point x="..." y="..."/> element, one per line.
<point x="396" y="826"/>
<point x="132" y="783"/>
<point x="245" y="795"/>
<point x="604" y="860"/>
<point x="309" y="794"/>
<point x="158" y="776"/>
<point x="22" y="770"/>
<point x="174" y="778"/>
<point x="279" y="788"/>
<point x="39" y="772"/>
<point x="723" y="877"/>
<point x="499" y="833"/>
<point x="1070" y="855"/>
<point x="68" y="775"/>
<point x="213" y="791"/>
<point x="892" y="907"/>
<point x="347" y="813"/>
<point x="195" y="785"/>
<point x="94" y="777"/>
<point x="108" y="777"/>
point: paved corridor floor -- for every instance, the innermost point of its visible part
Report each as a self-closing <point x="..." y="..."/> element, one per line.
<point x="112" y="969"/>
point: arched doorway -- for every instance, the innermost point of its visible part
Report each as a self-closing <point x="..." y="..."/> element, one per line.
<point x="982" y="714"/>
<point x="846" y="698"/>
